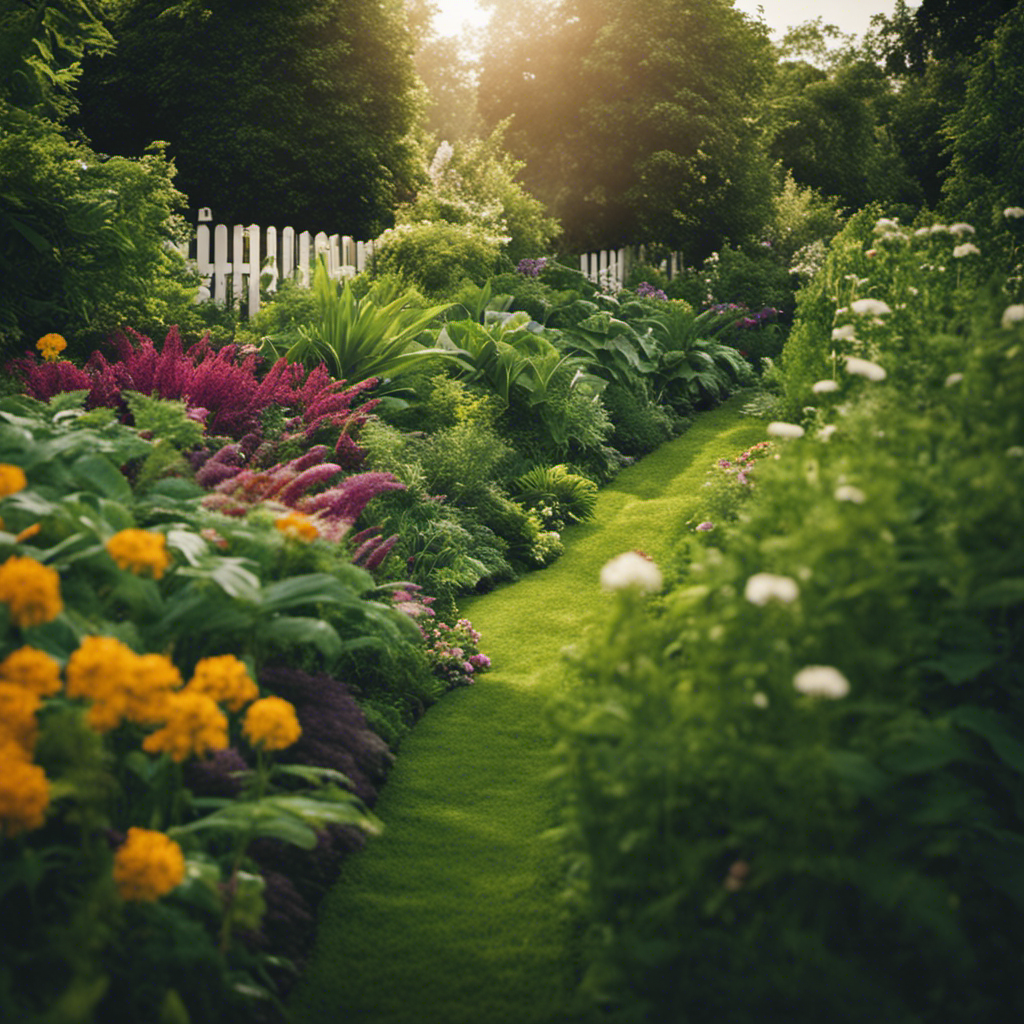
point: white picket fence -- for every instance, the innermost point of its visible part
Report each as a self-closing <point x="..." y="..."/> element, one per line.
<point x="234" y="261"/>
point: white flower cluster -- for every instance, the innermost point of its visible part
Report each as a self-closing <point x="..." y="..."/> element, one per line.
<point x="631" y="570"/>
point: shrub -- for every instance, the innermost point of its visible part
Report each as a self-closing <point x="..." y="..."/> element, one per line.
<point x="436" y="257"/>
<point x="794" y="770"/>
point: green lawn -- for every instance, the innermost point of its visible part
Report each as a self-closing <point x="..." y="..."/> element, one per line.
<point x="453" y="916"/>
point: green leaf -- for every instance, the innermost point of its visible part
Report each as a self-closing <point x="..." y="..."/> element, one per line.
<point x="992" y="727"/>
<point x="309" y="588"/>
<point x="294" y="629"/>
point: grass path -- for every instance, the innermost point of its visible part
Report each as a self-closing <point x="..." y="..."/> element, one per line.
<point x="452" y="916"/>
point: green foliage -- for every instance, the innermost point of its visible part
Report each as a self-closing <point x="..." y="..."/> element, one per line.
<point x="280" y="317"/>
<point x="639" y="424"/>
<point x="474" y="182"/>
<point x="165" y="419"/>
<point x="360" y="338"/>
<point x="437" y="256"/>
<point x="86" y="243"/>
<point x="985" y="175"/>
<point x="556" y="495"/>
<point x="836" y="853"/>
<point x="327" y="148"/>
<point x="40" y="51"/>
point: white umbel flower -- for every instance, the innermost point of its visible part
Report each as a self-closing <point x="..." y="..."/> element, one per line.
<point x="844" y="333"/>
<point x="864" y="368"/>
<point x="1013" y="315"/>
<point x="847" y="492"/>
<point x="953" y="379"/>
<point x="961" y="229"/>
<point x="822" y="387"/>
<point x="763" y="587"/>
<point x="822" y="681"/>
<point x="870" y="307"/>
<point x="631" y="569"/>
<point x="966" y="249"/>
<point x="1013" y="212"/>
<point x="780" y="429"/>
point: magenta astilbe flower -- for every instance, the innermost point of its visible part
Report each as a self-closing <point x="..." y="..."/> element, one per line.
<point x="346" y="500"/>
<point x="44" y="380"/>
<point x="214" y="473"/>
<point x="315" y="455"/>
<point x="308" y="478"/>
<point x="376" y="559"/>
<point x="347" y="453"/>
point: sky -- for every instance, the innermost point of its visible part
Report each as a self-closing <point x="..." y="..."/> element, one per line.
<point x="852" y="16"/>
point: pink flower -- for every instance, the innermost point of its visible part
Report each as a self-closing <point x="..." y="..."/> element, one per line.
<point x="705" y="527"/>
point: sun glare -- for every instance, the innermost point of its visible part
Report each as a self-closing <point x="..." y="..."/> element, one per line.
<point x="454" y="15"/>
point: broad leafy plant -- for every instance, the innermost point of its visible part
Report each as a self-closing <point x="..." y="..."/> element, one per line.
<point x="359" y="338"/>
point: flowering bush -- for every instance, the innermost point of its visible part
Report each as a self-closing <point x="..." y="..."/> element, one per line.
<point x="809" y="742"/>
<point x="453" y="652"/>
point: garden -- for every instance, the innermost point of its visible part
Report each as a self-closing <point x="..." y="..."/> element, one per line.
<point x="470" y="640"/>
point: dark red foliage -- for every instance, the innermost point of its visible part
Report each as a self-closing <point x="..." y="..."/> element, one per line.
<point x="44" y="380"/>
<point x="223" y="382"/>
<point x="335" y="733"/>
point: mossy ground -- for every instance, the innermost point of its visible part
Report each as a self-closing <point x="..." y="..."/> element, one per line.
<point x="453" y="915"/>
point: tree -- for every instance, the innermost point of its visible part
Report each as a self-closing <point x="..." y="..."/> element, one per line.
<point x="276" y="111"/>
<point x="829" y="129"/>
<point x="987" y="135"/>
<point x="637" y="119"/>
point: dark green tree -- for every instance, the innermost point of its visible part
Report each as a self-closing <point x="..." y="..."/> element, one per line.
<point x="292" y="112"/>
<point x="637" y="119"/>
<point x="987" y="133"/>
<point x="929" y="51"/>
<point x="829" y="127"/>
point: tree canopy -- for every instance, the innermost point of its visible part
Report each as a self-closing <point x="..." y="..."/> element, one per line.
<point x="292" y="112"/>
<point x="636" y="119"/>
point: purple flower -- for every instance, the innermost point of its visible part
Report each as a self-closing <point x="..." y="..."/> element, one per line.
<point x="705" y="526"/>
<point x="648" y="291"/>
<point x="532" y="267"/>
<point x="480" y="662"/>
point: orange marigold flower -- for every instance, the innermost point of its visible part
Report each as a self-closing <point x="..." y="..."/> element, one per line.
<point x="147" y="865"/>
<point x="30" y="590"/>
<point x="50" y="346"/>
<point x="18" y="708"/>
<point x="153" y="678"/>
<point x="297" y="525"/>
<point x="24" y="794"/>
<point x="225" y="679"/>
<point x="101" y="670"/>
<point x="140" y="552"/>
<point x="12" y="479"/>
<point x="34" y="670"/>
<point x="194" y="726"/>
<point x="271" y="723"/>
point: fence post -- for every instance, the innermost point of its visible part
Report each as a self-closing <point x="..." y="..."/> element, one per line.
<point x="305" y="280"/>
<point x="220" y="263"/>
<point x="272" y="267"/>
<point x="253" y="237"/>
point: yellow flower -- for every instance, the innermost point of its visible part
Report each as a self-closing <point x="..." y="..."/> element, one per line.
<point x="225" y="679"/>
<point x="50" y="345"/>
<point x="18" y="708"/>
<point x="153" y="678"/>
<point x="297" y="525"/>
<point x="100" y="670"/>
<point x="147" y="865"/>
<point x="194" y="727"/>
<point x="24" y="794"/>
<point x="34" y="670"/>
<point x="140" y="552"/>
<point x="271" y="723"/>
<point x="12" y="479"/>
<point x="30" y="590"/>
